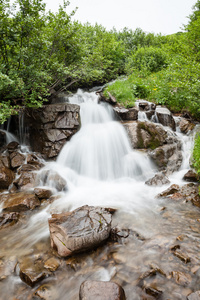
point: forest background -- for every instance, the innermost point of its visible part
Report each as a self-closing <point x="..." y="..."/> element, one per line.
<point x="44" y="53"/>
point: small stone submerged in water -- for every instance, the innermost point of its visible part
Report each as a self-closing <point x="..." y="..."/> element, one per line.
<point x="79" y="230"/>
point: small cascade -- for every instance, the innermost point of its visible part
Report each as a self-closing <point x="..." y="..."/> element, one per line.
<point x="142" y="116"/>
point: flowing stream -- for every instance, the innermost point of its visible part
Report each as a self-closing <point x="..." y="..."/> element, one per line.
<point x="102" y="169"/>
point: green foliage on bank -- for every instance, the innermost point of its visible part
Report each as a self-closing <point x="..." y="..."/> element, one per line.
<point x="196" y="154"/>
<point x="44" y="53"/>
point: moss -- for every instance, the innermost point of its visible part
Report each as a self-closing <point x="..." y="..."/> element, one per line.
<point x="154" y="141"/>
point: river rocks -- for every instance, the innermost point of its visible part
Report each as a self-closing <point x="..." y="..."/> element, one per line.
<point x="25" y="181"/>
<point x="188" y="192"/>
<point x="51" y="126"/>
<point x="2" y="138"/>
<point x="31" y="272"/>
<point x="53" y="179"/>
<point x="126" y="114"/>
<point x="194" y="296"/>
<point x="168" y="157"/>
<point x="8" y="219"/>
<point x="165" y="117"/>
<point x="17" y="159"/>
<point x="159" y="179"/>
<point x="100" y="290"/>
<point x="84" y="228"/>
<point x="42" y="193"/>
<point x="190" y="176"/>
<point x="19" y="201"/>
<point x="4" y="160"/>
<point x="6" y="177"/>
<point x="186" y="125"/>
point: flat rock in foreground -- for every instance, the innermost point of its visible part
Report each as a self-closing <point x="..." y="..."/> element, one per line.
<point x="79" y="230"/>
<point x="100" y="290"/>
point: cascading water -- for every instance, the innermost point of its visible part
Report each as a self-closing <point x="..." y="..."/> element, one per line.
<point x="101" y="169"/>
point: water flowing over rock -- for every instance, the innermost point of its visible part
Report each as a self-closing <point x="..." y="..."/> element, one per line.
<point x="51" y="126"/>
<point x="158" y="179"/>
<point x="82" y="229"/>
<point x="90" y="290"/>
<point x="8" y="219"/>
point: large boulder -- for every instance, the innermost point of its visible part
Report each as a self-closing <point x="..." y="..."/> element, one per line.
<point x="17" y="159"/>
<point x="101" y="290"/>
<point x="79" y="230"/>
<point x="19" y="201"/>
<point x="6" y="177"/>
<point x="126" y="114"/>
<point x="51" y="126"/>
<point x="165" y="117"/>
<point x="144" y="135"/>
<point x="25" y="181"/>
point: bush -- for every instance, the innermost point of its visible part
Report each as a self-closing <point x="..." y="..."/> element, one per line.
<point x="149" y="59"/>
<point x="196" y="154"/>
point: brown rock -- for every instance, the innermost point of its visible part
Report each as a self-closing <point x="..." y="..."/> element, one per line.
<point x="6" y="177"/>
<point x="174" y="188"/>
<point x="100" y="290"/>
<point x="190" y="176"/>
<point x="52" y="264"/>
<point x="27" y="180"/>
<point x="12" y="146"/>
<point x="182" y="256"/>
<point x="47" y="292"/>
<point x="84" y="228"/>
<point x="32" y="272"/>
<point x="17" y="159"/>
<point x="4" y="161"/>
<point x="153" y="291"/>
<point x="19" y="201"/>
<point x="194" y="296"/>
<point x="8" y="219"/>
<point x="186" y="125"/>
<point x="43" y="193"/>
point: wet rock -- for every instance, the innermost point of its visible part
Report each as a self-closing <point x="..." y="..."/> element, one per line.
<point x="52" y="264"/>
<point x="165" y="117"/>
<point x="51" y="126"/>
<point x="181" y="278"/>
<point x="17" y="159"/>
<point x="82" y="229"/>
<point x="182" y="256"/>
<point x="188" y="192"/>
<point x="159" y="179"/>
<point x="8" y="219"/>
<point x="186" y="125"/>
<point x="167" y="157"/>
<point x="32" y="272"/>
<point x="174" y="188"/>
<point x="6" y="177"/>
<point x="194" y="296"/>
<point x="144" y="135"/>
<point x="19" y="201"/>
<point x="190" y="176"/>
<point x="153" y="291"/>
<point x="2" y="138"/>
<point x="46" y="292"/>
<point x="25" y="181"/>
<point x="42" y="193"/>
<point x="4" y="161"/>
<point x="53" y="179"/>
<point x="100" y="290"/>
<point x="12" y="146"/>
<point x="130" y="114"/>
<point x="112" y="100"/>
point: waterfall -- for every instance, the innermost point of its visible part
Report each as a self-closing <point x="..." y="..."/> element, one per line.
<point x="101" y="148"/>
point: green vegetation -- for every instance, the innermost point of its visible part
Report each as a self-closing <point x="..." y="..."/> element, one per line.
<point x="196" y="154"/>
<point x="44" y="53"/>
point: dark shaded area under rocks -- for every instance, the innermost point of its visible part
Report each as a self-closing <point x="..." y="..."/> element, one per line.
<point x="115" y="260"/>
